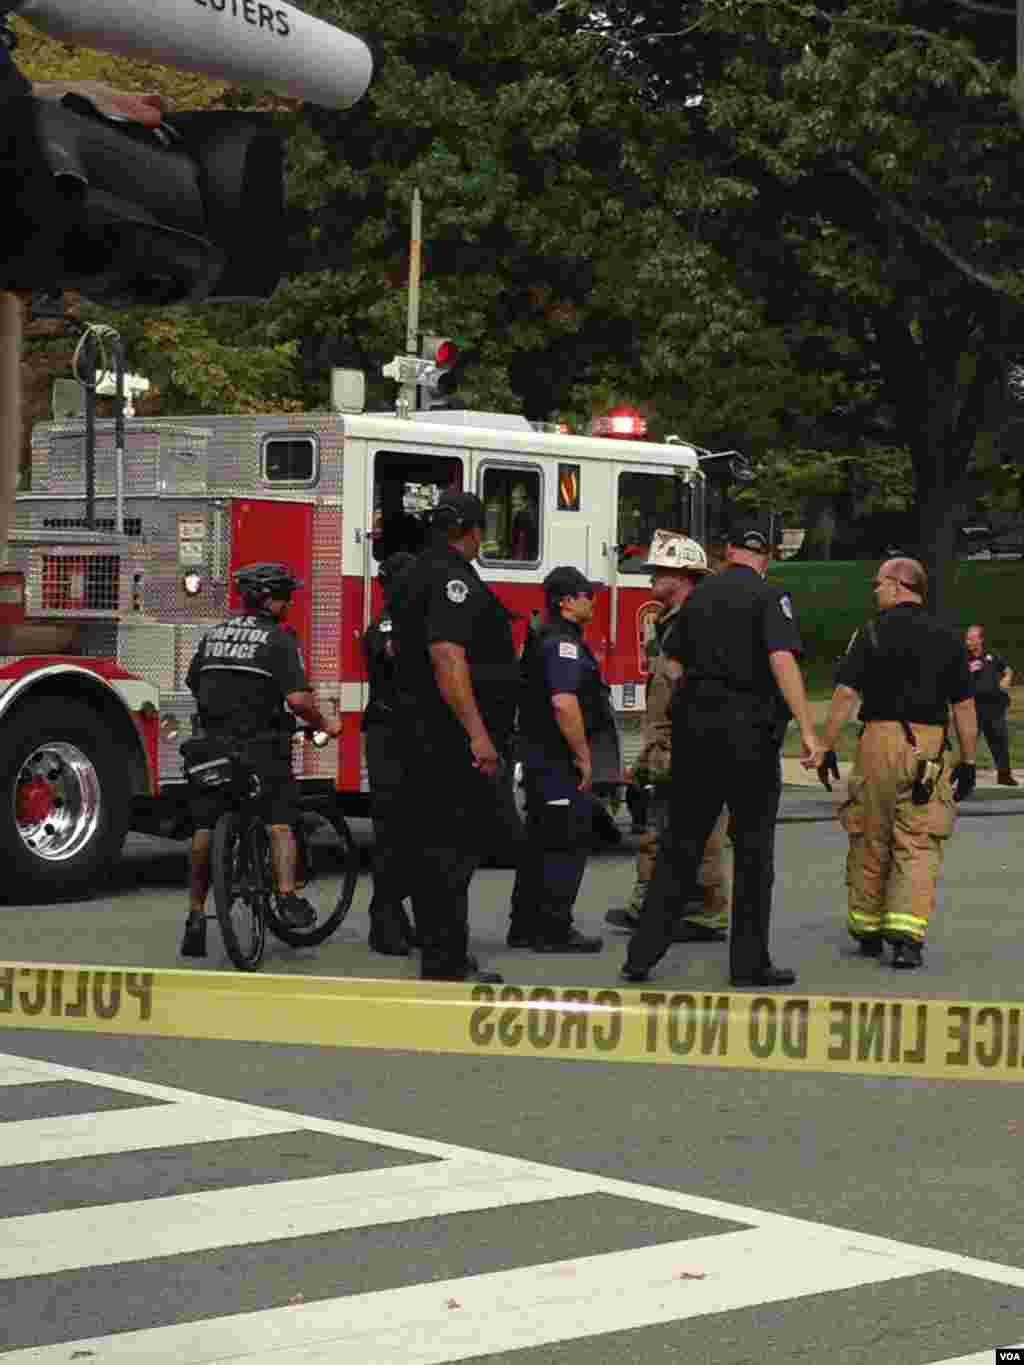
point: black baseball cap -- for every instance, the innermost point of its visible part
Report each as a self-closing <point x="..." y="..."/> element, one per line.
<point x="750" y="536"/>
<point x="567" y="581"/>
<point x="459" y="510"/>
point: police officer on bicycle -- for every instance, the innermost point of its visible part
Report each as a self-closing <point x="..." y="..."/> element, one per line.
<point x="250" y="683"/>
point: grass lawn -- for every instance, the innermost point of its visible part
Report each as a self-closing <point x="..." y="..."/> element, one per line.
<point x="833" y="599"/>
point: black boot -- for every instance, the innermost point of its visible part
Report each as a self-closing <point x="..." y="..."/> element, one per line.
<point x="907" y="955"/>
<point x="193" y="943"/>
<point x="870" y="945"/>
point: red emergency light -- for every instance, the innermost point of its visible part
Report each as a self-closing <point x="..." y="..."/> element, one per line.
<point x="623" y="423"/>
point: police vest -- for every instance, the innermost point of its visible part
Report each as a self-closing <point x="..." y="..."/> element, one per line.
<point x="241" y="675"/>
<point x="537" y="721"/>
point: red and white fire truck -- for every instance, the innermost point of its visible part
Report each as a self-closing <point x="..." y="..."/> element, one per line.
<point x="98" y="625"/>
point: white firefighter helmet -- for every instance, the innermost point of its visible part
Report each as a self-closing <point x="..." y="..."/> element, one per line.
<point x="672" y="550"/>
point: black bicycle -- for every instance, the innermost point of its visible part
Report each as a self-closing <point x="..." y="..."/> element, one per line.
<point x="242" y="869"/>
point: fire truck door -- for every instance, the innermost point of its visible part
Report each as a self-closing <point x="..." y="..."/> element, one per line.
<point x="278" y="531"/>
<point x="647" y="498"/>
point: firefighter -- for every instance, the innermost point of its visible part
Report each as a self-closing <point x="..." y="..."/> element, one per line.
<point x="565" y="713"/>
<point x="390" y="930"/>
<point x="457" y="687"/>
<point x="907" y="669"/>
<point x="250" y="683"/>
<point x="677" y="565"/>
<point x="737" y="641"/>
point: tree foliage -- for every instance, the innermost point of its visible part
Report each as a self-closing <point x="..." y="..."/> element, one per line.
<point x="785" y="227"/>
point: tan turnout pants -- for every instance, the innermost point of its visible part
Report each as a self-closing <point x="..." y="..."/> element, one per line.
<point x="713" y="875"/>
<point x="895" y="856"/>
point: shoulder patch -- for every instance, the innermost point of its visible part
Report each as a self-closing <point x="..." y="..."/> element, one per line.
<point x="567" y="650"/>
<point x="786" y="605"/>
<point x="456" y="590"/>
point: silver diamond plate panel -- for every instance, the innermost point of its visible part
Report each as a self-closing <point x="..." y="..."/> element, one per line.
<point x="148" y="649"/>
<point x="186" y="644"/>
<point x="325" y="645"/>
<point x="180" y="708"/>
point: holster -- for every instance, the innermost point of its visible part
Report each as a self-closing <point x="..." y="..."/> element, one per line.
<point x="928" y="770"/>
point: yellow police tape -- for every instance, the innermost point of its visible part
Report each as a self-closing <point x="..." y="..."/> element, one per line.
<point x="874" y="1036"/>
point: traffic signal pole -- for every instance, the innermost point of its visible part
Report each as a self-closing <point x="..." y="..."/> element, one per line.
<point x="407" y="393"/>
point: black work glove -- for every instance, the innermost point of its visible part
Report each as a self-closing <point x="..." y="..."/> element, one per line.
<point x="829" y="768"/>
<point x="964" y="778"/>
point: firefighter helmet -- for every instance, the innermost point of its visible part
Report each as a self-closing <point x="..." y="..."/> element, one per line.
<point x="672" y="550"/>
<point x="266" y="580"/>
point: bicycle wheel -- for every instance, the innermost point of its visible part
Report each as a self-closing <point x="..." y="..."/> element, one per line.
<point x="329" y="860"/>
<point x="240" y="889"/>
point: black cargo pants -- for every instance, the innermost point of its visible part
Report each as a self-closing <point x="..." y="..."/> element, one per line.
<point x="724" y="752"/>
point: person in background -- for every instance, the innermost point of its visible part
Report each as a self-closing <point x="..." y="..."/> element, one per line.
<point x="390" y="930"/>
<point x="991" y="678"/>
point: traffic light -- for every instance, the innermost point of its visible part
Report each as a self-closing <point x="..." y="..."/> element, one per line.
<point x="443" y="354"/>
<point x="191" y="210"/>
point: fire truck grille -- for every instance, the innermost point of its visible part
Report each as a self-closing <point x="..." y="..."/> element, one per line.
<point x="77" y="582"/>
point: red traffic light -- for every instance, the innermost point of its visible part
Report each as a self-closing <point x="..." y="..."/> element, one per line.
<point x="441" y="350"/>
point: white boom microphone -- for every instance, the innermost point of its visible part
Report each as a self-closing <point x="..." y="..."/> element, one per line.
<point x="248" y="42"/>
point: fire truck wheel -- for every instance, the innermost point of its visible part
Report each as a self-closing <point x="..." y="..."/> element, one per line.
<point x="67" y="809"/>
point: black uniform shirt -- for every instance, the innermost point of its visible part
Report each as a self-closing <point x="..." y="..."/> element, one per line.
<point x="443" y="598"/>
<point x="379" y="648"/>
<point x="242" y="672"/>
<point x="725" y="631"/>
<point x="985" y="673"/>
<point x="918" y="667"/>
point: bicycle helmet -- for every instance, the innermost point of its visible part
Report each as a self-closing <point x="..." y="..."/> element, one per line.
<point x="259" y="581"/>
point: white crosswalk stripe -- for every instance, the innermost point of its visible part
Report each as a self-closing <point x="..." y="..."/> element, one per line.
<point x="771" y="1259"/>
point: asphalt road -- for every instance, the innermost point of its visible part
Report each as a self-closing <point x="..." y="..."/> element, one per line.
<point x="590" y="1214"/>
<point x="974" y="949"/>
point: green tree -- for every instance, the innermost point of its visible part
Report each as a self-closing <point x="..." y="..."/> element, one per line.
<point x="858" y="158"/>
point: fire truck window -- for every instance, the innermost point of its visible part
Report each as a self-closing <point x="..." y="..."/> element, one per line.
<point x="647" y="503"/>
<point x="291" y="459"/>
<point x="405" y="487"/>
<point x="512" y="500"/>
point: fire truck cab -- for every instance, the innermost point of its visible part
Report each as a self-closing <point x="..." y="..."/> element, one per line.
<point x="99" y="623"/>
